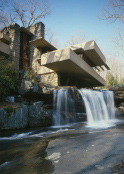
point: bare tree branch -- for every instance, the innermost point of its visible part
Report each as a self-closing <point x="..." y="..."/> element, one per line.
<point x="76" y="39"/>
<point x="27" y="12"/>
<point x="119" y="43"/>
<point x="113" y="11"/>
<point x="44" y="11"/>
<point x="3" y="3"/>
<point x="51" y="37"/>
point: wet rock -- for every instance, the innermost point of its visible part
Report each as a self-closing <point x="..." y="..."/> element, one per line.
<point x="18" y="116"/>
<point x="99" y="167"/>
<point x="69" y="105"/>
<point x="13" y="117"/>
<point x="39" y="115"/>
<point x="119" y="94"/>
<point x="119" y="168"/>
<point x="118" y="87"/>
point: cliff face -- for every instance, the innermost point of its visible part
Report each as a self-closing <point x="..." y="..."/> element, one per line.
<point x="18" y="116"/>
<point x="31" y="108"/>
<point x="13" y="116"/>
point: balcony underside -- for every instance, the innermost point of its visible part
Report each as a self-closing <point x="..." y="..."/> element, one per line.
<point x="69" y="63"/>
<point x="42" y="43"/>
<point x="69" y="68"/>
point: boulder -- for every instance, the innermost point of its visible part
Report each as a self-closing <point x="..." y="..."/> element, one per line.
<point x="13" y="117"/>
<point x="39" y="115"/>
<point x="119" y="94"/>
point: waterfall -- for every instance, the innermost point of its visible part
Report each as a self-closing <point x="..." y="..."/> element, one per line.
<point x="109" y="99"/>
<point x="64" y="106"/>
<point x="99" y="107"/>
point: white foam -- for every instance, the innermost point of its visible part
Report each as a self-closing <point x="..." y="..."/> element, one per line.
<point x="17" y="136"/>
<point x="103" y="124"/>
<point x="4" y="164"/>
<point x="100" y="108"/>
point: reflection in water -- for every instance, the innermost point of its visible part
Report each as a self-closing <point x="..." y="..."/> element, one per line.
<point x="25" y="156"/>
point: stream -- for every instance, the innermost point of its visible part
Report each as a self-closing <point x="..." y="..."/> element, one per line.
<point x="94" y="146"/>
<point x="72" y="149"/>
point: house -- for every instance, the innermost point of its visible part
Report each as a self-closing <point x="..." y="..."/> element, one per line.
<point x="77" y="65"/>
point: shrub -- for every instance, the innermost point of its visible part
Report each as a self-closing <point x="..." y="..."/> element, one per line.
<point x="30" y="74"/>
<point x="111" y="81"/>
<point x="9" y="78"/>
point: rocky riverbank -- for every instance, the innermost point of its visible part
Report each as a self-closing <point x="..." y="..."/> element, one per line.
<point x="32" y="107"/>
<point x="74" y="150"/>
<point x="119" y="94"/>
<point x="19" y="115"/>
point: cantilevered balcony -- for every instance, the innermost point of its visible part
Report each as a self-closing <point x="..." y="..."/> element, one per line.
<point x="4" y="38"/>
<point x="67" y="62"/>
<point x="42" y="43"/>
<point x="4" y="48"/>
<point x="93" y="52"/>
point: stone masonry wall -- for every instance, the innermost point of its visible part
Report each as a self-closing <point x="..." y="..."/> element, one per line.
<point x="14" y="33"/>
<point x="51" y="79"/>
<point x="38" y="31"/>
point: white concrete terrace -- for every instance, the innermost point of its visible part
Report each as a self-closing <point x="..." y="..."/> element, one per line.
<point x="4" y="38"/>
<point x="41" y="42"/>
<point x="4" y="48"/>
<point x="68" y="62"/>
<point x="4" y="43"/>
<point x="93" y="52"/>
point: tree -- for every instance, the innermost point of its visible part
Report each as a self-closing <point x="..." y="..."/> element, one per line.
<point x="26" y="13"/>
<point x="118" y="42"/>
<point x="51" y="36"/>
<point x="116" y="68"/>
<point x="110" y="81"/>
<point x="3" y="14"/>
<point x="2" y="4"/>
<point x="114" y="11"/>
<point x="76" y="39"/>
<point x="9" y="80"/>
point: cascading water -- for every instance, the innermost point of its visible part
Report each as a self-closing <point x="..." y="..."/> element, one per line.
<point x="99" y="107"/>
<point x="64" y="106"/>
<point x="109" y="100"/>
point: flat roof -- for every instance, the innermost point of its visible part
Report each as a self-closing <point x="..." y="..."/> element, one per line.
<point x="92" y="51"/>
<point x="4" y="38"/>
<point x="41" y="42"/>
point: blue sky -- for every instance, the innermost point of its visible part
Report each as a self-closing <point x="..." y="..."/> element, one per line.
<point x="73" y="16"/>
